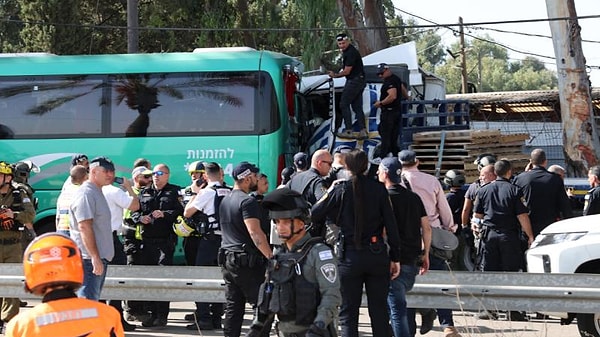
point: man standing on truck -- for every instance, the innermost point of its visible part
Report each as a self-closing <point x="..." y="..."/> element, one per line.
<point x="353" y="89"/>
<point x="393" y="92"/>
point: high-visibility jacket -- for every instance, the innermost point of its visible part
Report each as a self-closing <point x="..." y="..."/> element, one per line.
<point x="66" y="315"/>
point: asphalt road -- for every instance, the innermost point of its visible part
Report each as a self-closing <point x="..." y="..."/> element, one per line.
<point x="467" y="323"/>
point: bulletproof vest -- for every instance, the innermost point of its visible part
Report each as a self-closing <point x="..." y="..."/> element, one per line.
<point x="293" y="297"/>
<point x="25" y="187"/>
<point x="208" y="223"/>
<point x="220" y="193"/>
<point x="301" y="184"/>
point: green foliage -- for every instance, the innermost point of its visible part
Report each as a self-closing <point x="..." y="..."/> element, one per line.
<point x="489" y="69"/>
<point x="292" y="27"/>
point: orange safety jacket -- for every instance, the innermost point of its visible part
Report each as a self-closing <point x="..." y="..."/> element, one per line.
<point x="63" y="314"/>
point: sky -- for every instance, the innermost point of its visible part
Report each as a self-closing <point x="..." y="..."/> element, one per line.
<point x="448" y="11"/>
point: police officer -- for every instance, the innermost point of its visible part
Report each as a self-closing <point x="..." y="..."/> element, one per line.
<point x="204" y="205"/>
<point x="500" y="208"/>
<point x="53" y="269"/>
<point x="592" y="198"/>
<point x="197" y="173"/>
<point x="16" y="209"/>
<point x="363" y="209"/>
<point x="311" y="184"/>
<point x="544" y="193"/>
<point x="160" y="205"/>
<point x="302" y="285"/>
<point x="455" y="180"/>
<point x="244" y="248"/>
<point x="483" y="161"/>
<point x="393" y="92"/>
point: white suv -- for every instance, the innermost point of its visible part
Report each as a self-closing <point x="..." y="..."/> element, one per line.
<point x="569" y="246"/>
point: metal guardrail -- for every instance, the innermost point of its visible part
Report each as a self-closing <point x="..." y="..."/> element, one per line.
<point x="454" y="290"/>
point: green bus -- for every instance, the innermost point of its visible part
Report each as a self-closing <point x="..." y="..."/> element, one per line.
<point x="218" y="104"/>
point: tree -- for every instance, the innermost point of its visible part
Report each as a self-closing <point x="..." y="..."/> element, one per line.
<point x="490" y="69"/>
<point x="369" y="14"/>
<point x="10" y="27"/>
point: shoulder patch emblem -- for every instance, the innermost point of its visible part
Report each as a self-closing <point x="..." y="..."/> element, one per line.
<point x="329" y="271"/>
<point x="325" y="255"/>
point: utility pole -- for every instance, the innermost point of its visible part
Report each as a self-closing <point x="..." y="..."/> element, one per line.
<point x="463" y="55"/>
<point x="580" y="135"/>
<point x="132" y="27"/>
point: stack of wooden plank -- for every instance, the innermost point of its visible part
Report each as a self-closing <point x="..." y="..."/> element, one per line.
<point x="440" y="151"/>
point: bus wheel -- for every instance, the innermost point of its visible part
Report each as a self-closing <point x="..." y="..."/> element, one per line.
<point x="589" y="324"/>
<point x="45" y="226"/>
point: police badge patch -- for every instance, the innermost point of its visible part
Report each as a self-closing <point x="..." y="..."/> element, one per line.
<point x="329" y="271"/>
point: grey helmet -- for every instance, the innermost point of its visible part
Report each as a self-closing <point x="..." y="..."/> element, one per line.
<point x="454" y="178"/>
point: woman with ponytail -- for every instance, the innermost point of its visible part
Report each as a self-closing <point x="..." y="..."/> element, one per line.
<point x="368" y="246"/>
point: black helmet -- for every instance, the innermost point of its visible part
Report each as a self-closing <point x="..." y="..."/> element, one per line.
<point x="23" y="169"/>
<point x="285" y="203"/>
<point x="454" y="178"/>
<point x="484" y="160"/>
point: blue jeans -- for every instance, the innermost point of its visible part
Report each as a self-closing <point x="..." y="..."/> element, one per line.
<point x="92" y="284"/>
<point x="397" y="299"/>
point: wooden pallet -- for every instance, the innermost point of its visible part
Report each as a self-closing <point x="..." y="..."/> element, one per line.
<point x="461" y="148"/>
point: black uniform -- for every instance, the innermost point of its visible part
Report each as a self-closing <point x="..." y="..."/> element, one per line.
<point x="408" y="210"/>
<point x="389" y="124"/>
<point x="209" y="314"/>
<point x="367" y="263"/>
<point x="158" y="239"/>
<point x="353" y="89"/>
<point x="501" y="202"/>
<point x="310" y="184"/>
<point x="545" y="197"/>
<point x="592" y="202"/>
<point x="242" y="264"/>
<point x="456" y="200"/>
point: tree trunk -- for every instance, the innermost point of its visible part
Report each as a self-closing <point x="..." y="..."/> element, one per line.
<point x="375" y="17"/>
<point x="367" y="40"/>
<point x="242" y="7"/>
<point x="580" y="137"/>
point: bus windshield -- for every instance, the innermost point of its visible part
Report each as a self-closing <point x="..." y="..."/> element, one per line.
<point x="139" y="105"/>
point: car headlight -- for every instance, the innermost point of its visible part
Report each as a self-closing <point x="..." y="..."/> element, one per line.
<point x="552" y="239"/>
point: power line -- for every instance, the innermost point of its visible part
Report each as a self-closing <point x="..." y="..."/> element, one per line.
<point x="475" y="24"/>
<point x="525" y="34"/>
<point x="320" y="29"/>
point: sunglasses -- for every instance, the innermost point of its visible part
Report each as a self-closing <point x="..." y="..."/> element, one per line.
<point x="147" y="176"/>
<point x="159" y="173"/>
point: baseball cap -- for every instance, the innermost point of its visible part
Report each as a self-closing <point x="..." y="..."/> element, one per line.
<point x="301" y="160"/>
<point x="407" y="156"/>
<point x="343" y="149"/>
<point x="140" y="170"/>
<point x="392" y="167"/>
<point x="242" y="170"/>
<point x="381" y="67"/>
<point x="103" y="162"/>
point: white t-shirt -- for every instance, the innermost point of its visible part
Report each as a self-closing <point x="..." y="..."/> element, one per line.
<point x="118" y="200"/>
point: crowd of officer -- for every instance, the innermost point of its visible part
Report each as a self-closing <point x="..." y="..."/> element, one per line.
<point x="335" y="228"/>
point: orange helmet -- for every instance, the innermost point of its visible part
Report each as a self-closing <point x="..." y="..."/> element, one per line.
<point x="52" y="259"/>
